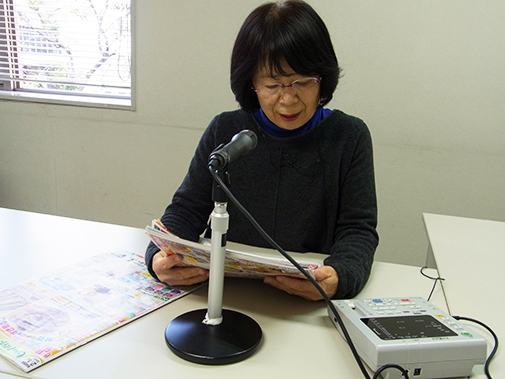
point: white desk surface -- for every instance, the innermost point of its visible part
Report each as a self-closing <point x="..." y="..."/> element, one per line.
<point x="299" y="338"/>
<point x="470" y="255"/>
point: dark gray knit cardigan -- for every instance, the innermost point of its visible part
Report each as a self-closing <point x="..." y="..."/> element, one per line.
<point x="311" y="193"/>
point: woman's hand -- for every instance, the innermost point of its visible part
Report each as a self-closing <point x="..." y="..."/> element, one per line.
<point x="326" y="277"/>
<point x="165" y="270"/>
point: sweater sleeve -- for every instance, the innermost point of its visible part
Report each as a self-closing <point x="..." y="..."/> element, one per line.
<point x="355" y="238"/>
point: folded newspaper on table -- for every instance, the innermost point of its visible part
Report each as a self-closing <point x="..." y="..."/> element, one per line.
<point x="256" y="264"/>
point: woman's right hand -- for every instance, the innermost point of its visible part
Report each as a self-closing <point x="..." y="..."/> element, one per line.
<point x="165" y="270"/>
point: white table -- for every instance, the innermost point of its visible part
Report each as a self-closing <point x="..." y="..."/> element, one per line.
<point x="470" y="256"/>
<point x="298" y="334"/>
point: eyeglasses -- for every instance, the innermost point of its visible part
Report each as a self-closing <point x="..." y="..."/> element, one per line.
<point x="299" y="86"/>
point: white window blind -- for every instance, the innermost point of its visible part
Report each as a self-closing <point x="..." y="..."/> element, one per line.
<point x="75" y="48"/>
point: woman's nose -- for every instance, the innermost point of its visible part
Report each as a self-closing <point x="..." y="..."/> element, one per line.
<point x="288" y="95"/>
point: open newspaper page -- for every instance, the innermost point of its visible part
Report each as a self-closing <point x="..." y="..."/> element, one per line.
<point x="43" y="318"/>
<point x="237" y="263"/>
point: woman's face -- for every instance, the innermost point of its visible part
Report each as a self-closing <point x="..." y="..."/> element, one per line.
<point x="288" y="108"/>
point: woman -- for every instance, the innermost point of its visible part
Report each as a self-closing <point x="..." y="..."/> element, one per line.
<point x="310" y="180"/>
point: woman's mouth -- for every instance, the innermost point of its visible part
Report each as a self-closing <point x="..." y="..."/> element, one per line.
<point x="290" y="117"/>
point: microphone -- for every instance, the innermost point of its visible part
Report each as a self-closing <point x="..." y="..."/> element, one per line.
<point x="240" y="144"/>
<point x="216" y="336"/>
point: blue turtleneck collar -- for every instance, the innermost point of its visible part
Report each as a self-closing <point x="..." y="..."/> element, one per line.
<point x="277" y="131"/>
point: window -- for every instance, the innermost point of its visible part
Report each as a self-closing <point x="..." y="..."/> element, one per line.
<point x="72" y="51"/>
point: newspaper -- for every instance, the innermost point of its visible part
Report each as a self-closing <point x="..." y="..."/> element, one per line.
<point x="44" y="318"/>
<point x="237" y="263"/>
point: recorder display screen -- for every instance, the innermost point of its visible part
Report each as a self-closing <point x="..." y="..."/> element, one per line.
<point x="407" y="327"/>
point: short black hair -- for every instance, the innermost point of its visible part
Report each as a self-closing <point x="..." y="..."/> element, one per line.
<point x="286" y="31"/>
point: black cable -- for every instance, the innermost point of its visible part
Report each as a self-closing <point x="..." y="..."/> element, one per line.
<point x="432" y="278"/>
<point x="493" y="352"/>
<point x="404" y="372"/>
<point x="488" y="360"/>
<point x="295" y="263"/>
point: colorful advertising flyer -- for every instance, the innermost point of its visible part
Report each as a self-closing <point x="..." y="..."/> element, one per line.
<point x="45" y="317"/>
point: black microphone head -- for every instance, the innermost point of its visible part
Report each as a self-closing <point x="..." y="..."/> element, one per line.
<point x="249" y="134"/>
<point x="241" y="143"/>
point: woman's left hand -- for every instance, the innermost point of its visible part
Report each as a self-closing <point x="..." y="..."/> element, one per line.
<point x="326" y="277"/>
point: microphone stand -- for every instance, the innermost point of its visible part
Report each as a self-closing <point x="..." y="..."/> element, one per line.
<point x="215" y="336"/>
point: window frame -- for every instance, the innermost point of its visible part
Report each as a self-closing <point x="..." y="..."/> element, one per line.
<point x="77" y="99"/>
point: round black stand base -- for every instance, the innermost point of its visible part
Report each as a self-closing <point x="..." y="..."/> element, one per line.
<point x="235" y="339"/>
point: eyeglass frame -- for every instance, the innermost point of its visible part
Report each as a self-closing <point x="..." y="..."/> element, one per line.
<point x="281" y="86"/>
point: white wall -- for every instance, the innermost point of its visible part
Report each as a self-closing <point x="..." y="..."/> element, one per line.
<point x="426" y="76"/>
